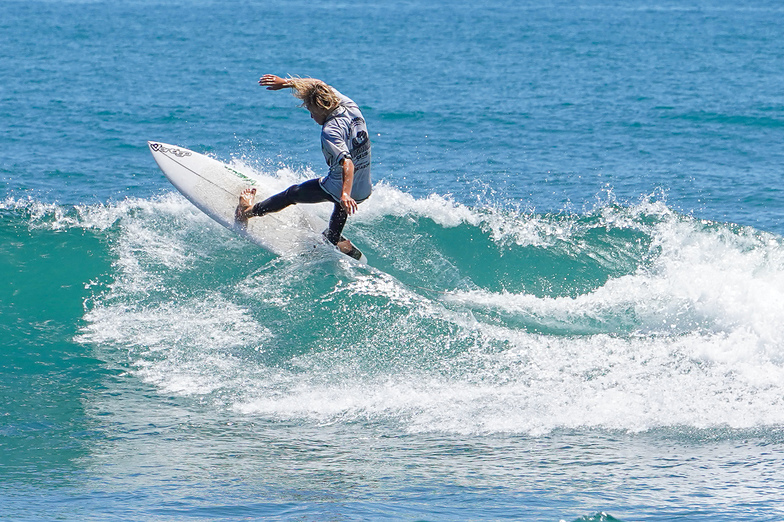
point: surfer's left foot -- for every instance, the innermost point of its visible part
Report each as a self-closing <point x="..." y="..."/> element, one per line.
<point x="243" y="210"/>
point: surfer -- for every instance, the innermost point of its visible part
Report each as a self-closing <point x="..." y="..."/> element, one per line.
<point x="346" y="147"/>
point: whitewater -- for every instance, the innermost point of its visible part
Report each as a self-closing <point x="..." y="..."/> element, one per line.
<point x="649" y="319"/>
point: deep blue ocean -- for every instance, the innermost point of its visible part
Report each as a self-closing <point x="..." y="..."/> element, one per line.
<point x="574" y="303"/>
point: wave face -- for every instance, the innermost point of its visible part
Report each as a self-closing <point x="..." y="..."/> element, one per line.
<point x="467" y="321"/>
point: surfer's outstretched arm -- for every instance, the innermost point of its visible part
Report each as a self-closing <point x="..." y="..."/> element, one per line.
<point x="274" y="83"/>
<point x="317" y="97"/>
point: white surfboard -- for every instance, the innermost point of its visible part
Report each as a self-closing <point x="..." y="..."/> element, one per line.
<point x="215" y="187"/>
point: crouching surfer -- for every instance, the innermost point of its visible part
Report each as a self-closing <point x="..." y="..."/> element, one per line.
<point x="346" y="147"/>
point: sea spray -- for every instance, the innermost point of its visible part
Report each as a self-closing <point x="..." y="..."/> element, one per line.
<point x="668" y="334"/>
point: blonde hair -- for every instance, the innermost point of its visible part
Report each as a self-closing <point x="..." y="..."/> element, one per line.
<point x="314" y="94"/>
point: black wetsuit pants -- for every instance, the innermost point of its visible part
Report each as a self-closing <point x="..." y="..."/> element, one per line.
<point x="308" y="192"/>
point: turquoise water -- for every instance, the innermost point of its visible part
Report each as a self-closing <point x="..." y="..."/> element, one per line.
<point x="576" y="283"/>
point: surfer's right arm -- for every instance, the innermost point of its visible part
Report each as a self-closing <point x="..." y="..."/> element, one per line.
<point x="273" y="83"/>
<point x="346" y="201"/>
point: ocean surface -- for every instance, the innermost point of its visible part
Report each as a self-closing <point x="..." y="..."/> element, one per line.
<point x="574" y="303"/>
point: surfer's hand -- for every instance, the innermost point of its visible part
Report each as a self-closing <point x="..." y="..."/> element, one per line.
<point x="272" y="82"/>
<point x="348" y="204"/>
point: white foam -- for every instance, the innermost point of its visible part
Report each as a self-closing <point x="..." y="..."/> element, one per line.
<point x="692" y="338"/>
<point x="185" y="347"/>
<point x="701" y="277"/>
<point x="540" y="384"/>
<point x="503" y="225"/>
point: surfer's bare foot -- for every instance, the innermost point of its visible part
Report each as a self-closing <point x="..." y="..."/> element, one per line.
<point x="243" y="211"/>
<point x="345" y="246"/>
<point x="349" y="249"/>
